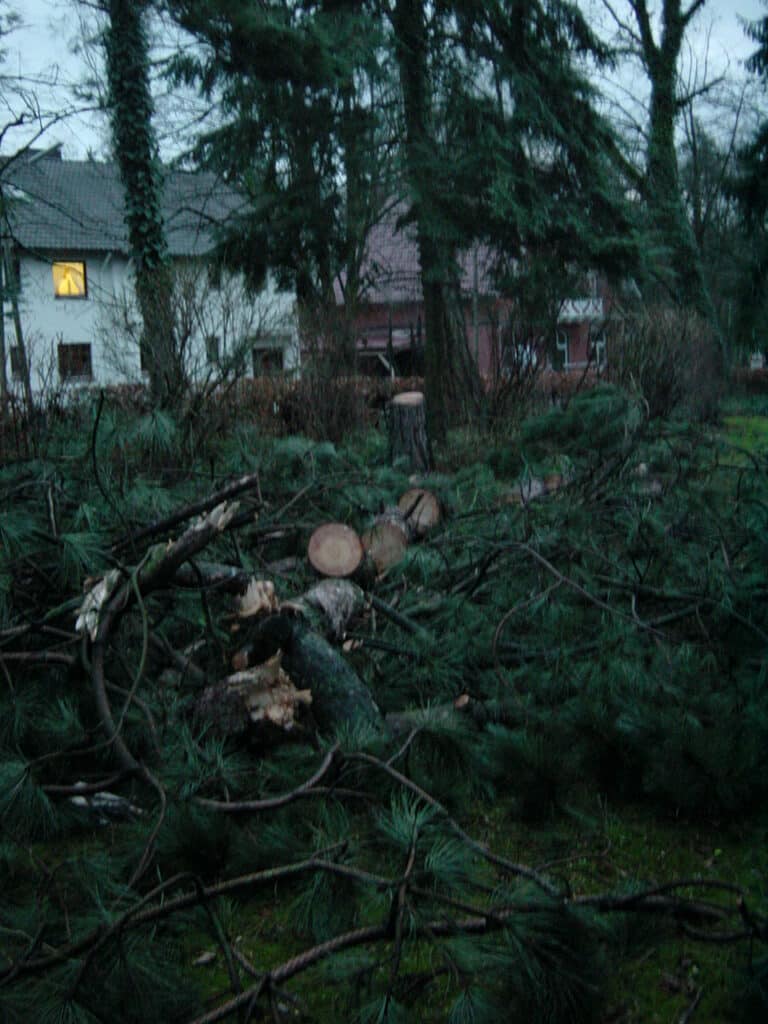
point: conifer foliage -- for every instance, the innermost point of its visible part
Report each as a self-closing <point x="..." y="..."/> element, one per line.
<point x="609" y="635"/>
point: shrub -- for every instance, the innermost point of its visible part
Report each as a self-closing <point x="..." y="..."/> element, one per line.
<point x="669" y="357"/>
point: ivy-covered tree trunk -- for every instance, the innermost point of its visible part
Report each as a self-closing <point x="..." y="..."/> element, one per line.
<point x="135" y="149"/>
<point x="682" y="265"/>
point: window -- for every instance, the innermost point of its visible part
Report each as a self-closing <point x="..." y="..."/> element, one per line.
<point x="561" y="360"/>
<point x="69" y="280"/>
<point x="212" y="348"/>
<point x="17" y="363"/>
<point x="75" y="362"/>
<point x="597" y="348"/>
<point x="267" y="359"/>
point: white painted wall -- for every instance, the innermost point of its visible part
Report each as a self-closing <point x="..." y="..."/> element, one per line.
<point x="100" y="320"/>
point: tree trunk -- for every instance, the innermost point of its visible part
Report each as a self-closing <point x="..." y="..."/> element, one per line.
<point x="448" y="371"/>
<point x="133" y="139"/>
<point x="407" y="426"/>
<point x="26" y="380"/>
<point x="683" y="270"/>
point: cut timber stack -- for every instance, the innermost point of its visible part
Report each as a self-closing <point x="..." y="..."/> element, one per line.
<point x="407" y="427"/>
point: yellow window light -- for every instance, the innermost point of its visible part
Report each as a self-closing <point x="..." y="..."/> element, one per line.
<point x="69" y="280"/>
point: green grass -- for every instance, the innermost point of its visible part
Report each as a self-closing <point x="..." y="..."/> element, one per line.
<point x="654" y="972"/>
<point x="748" y="432"/>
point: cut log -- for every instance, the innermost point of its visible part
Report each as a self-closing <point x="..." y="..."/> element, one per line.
<point x="335" y="550"/>
<point x="421" y="509"/>
<point x="407" y="428"/>
<point x="339" y="697"/>
<point x="385" y="544"/>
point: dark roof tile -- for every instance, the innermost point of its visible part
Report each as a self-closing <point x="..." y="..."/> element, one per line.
<point x="78" y="205"/>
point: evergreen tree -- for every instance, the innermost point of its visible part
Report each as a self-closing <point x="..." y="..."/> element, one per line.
<point x="750" y="187"/>
<point x="297" y="86"/>
<point x="503" y="145"/>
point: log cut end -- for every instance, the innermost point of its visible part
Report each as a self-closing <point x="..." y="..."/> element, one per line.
<point x="385" y="543"/>
<point x="335" y="550"/>
<point x="410" y="398"/>
<point x="421" y="509"/>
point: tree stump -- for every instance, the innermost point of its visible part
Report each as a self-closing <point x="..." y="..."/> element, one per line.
<point x="407" y="428"/>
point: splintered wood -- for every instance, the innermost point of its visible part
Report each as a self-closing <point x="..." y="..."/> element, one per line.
<point x="263" y="694"/>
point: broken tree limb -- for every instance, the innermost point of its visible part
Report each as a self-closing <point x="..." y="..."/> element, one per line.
<point x="263" y="696"/>
<point x="244" y="483"/>
<point x="339" y="697"/>
<point x="337" y="601"/>
<point x="158" y="566"/>
<point x="215" y="575"/>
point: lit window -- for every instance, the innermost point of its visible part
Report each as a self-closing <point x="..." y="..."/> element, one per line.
<point x="75" y="362"/>
<point x="69" y="280"/>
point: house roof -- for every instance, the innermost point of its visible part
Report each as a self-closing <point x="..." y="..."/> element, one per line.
<point x="79" y="205"/>
<point x="391" y="271"/>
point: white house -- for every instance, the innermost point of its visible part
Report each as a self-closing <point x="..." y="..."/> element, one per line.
<point x="67" y="261"/>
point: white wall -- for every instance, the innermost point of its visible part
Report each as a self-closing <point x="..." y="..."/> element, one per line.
<point x="108" y="321"/>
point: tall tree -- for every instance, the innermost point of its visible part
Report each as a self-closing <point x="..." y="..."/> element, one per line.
<point x="750" y="187"/>
<point x="297" y="87"/>
<point x="678" y="263"/>
<point x="126" y="50"/>
<point x="502" y="145"/>
<point x="417" y="46"/>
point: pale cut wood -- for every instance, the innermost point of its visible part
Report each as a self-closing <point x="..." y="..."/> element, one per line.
<point x="409" y="398"/>
<point x="335" y="550"/>
<point x="385" y="544"/>
<point x="421" y="509"/>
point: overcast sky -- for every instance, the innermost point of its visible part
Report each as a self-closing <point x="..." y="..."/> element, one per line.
<point x="44" y="49"/>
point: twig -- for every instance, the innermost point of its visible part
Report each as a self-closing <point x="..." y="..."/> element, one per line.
<point x="685" y="1017"/>
<point x="226" y="493"/>
<point x="271" y="803"/>
<point x="398" y="618"/>
<point x="521" y="870"/>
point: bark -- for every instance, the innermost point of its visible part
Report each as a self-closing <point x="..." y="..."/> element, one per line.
<point x="684" y="271"/>
<point x="449" y="376"/>
<point x="26" y="380"/>
<point x="133" y="139"/>
<point x="407" y="426"/>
